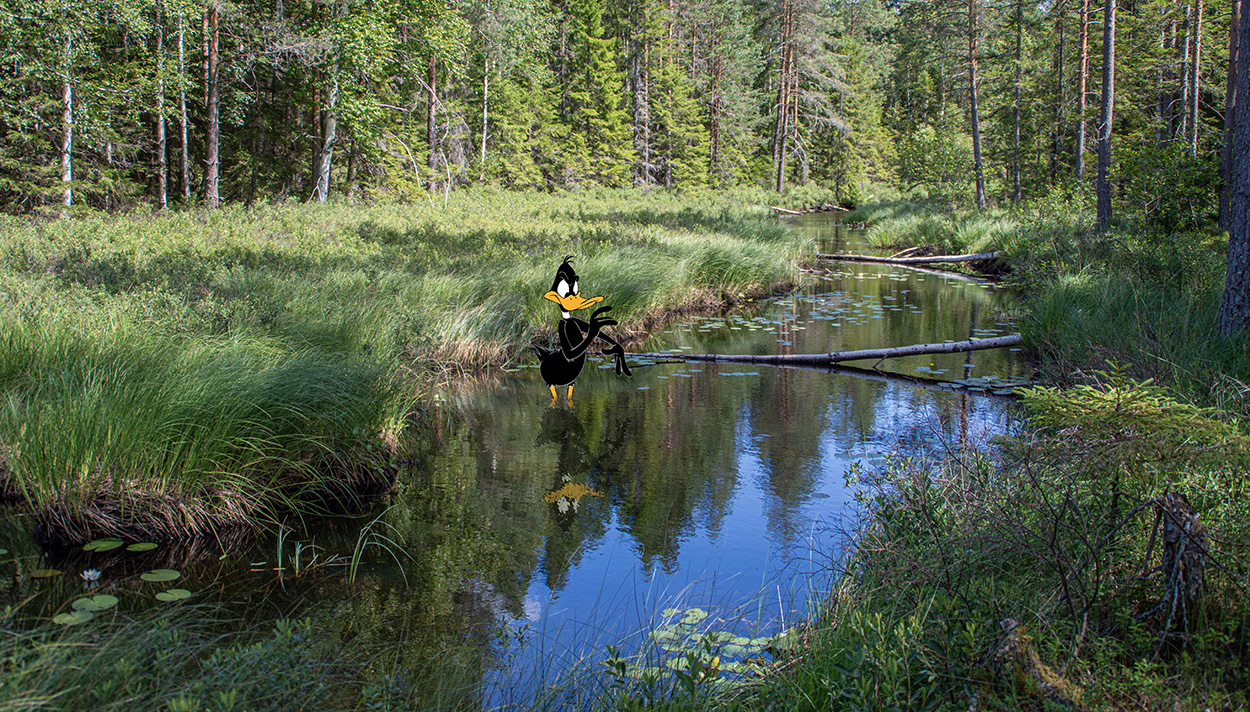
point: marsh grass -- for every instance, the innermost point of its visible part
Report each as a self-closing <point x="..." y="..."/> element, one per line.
<point x="1047" y="532"/>
<point x="167" y="376"/>
<point x="1134" y="295"/>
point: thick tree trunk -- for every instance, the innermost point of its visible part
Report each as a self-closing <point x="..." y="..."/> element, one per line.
<point x="67" y="125"/>
<point x="1195" y="75"/>
<point x="1235" y="306"/>
<point x="1230" y="105"/>
<point x="1103" y="187"/>
<point x="162" y="164"/>
<point x="213" y="159"/>
<point x="330" y="128"/>
<point x="1082" y="82"/>
<point x="974" y="32"/>
<point x="185" y="159"/>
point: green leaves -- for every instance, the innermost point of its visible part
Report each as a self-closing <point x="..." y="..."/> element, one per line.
<point x="160" y="575"/>
<point x="103" y="545"/>
<point x="73" y="618"/>
<point x="96" y="603"/>
<point x="173" y="594"/>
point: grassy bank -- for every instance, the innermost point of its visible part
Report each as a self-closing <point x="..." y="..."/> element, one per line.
<point x="1097" y="559"/>
<point x="1136" y="295"/>
<point x="274" y="351"/>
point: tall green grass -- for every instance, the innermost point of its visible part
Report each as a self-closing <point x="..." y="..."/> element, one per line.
<point x="1133" y="295"/>
<point x="228" y="360"/>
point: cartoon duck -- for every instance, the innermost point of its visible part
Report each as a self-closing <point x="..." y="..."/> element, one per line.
<point x="560" y="367"/>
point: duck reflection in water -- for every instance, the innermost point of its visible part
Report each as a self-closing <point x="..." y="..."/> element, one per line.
<point x="560" y="367"/>
<point x="562" y="427"/>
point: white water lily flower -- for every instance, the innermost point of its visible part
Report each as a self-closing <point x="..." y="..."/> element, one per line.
<point x="90" y="575"/>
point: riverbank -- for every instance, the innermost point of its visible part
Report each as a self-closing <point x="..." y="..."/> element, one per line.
<point x="1095" y="561"/>
<point x="276" y="350"/>
<point x="1134" y="296"/>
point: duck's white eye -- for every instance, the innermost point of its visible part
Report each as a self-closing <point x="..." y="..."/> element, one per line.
<point x="562" y="289"/>
<point x="575" y="289"/>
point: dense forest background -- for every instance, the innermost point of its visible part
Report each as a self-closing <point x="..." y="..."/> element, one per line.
<point x="117" y="103"/>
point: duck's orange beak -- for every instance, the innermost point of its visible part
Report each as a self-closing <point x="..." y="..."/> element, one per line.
<point x="573" y="302"/>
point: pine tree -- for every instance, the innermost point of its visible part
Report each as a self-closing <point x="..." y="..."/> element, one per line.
<point x="599" y="136"/>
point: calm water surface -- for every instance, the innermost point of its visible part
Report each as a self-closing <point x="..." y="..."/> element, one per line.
<point x="548" y="532"/>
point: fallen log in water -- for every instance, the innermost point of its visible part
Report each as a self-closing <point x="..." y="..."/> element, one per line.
<point x="975" y="257"/>
<point x="996" y="342"/>
<point x="826" y="208"/>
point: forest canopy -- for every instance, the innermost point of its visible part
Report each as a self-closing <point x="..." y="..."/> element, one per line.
<point x="119" y="103"/>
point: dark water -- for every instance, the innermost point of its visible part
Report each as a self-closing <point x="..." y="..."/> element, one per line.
<point x="545" y="533"/>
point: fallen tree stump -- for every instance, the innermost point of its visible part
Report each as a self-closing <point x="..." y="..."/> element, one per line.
<point x="996" y="342"/>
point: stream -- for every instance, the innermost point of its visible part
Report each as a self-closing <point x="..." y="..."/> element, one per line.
<point x="715" y="494"/>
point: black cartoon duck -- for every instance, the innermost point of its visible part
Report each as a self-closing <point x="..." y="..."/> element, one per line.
<point x="561" y="366"/>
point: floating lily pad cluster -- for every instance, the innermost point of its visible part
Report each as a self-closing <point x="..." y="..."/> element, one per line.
<point x="100" y="545"/>
<point x="722" y="657"/>
<point x="991" y="384"/>
<point x="84" y="609"/>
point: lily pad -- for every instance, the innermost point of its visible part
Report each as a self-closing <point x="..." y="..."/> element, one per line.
<point x="101" y="602"/>
<point x="3" y="552"/>
<point x="160" y="575"/>
<point x="141" y="546"/>
<point x="102" y="545"/>
<point x="173" y="594"/>
<point x="74" y="618"/>
<point x="45" y="573"/>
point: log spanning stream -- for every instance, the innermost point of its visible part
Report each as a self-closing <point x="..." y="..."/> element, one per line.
<point x="708" y="492"/>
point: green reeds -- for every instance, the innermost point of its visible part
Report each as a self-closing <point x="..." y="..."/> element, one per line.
<point x="167" y="375"/>
<point x="119" y="433"/>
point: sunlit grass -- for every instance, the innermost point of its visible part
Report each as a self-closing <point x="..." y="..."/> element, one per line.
<point x="221" y="359"/>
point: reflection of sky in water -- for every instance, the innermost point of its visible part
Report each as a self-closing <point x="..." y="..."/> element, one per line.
<point x="755" y="528"/>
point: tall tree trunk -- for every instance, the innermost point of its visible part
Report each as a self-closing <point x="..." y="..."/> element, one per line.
<point x="1082" y="81"/>
<point x="640" y="80"/>
<point x="330" y="127"/>
<point x="1230" y="106"/>
<point x="162" y="164"/>
<point x="1185" y="72"/>
<point x="1195" y="74"/>
<point x="1057" y="132"/>
<point x="431" y="119"/>
<point x="485" y="114"/>
<point x="1015" y="143"/>
<point x="185" y="159"/>
<point x="974" y="32"/>
<point x="1103" y="187"/>
<point x="714" y="124"/>
<point x="781" y="131"/>
<point x="1235" y="305"/>
<point x="212" y="159"/>
<point x="67" y="123"/>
